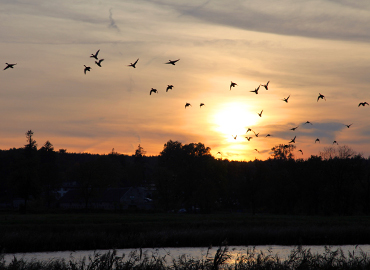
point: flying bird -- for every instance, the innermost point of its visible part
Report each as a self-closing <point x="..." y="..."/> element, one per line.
<point x="363" y="104"/>
<point x="232" y="84"/>
<point x="201" y="104"/>
<point x="268" y="135"/>
<point x="170" y="86"/>
<point x="248" y="138"/>
<point x="234" y="136"/>
<point x="86" y="69"/>
<point x="348" y="125"/>
<point x="187" y="105"/>
<point x="256" y="90"/>
<point x="300" y="151"/>
<point x="286" y="99"/>
<point x="95" y="55"/>
<point x="335" y="142"/>
<point x="256" y="150"/>
<point x="133" y="64"/>
<point x="317" y="140"/>
<point x="153" y="91"/>
<point x="294" y="128"/>
<point x="293" y="140"/>
<point x="321" y="96"/>
<point x="172" y="62"/>
<point x="99" y="62"/>
<point x="256" y="134"/>
<point x="9" y="66"/>
<point x="260" y="114"/>
<point x="266" y="85"/>
<point x="308" y="122"/>
<point x="249" y="129"/>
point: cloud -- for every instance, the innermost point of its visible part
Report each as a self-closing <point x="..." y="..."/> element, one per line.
<point x="112" y="22"/>
<point x="338" y="20"/>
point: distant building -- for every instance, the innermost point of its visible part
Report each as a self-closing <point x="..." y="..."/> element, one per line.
<point x="109" y="199"/>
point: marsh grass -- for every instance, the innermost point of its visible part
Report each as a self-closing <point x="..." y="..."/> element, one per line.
<point x="299" y="258"/>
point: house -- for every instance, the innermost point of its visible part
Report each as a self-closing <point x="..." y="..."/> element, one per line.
<point x="110" y="199"/>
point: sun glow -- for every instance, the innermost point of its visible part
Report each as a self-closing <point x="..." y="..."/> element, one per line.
<point x="233" y="120"/>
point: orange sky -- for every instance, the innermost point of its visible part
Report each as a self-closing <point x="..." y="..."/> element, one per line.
<point x="302" y="49"/>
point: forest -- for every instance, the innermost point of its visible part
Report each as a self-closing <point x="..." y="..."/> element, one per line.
<point x="187" y="176"/>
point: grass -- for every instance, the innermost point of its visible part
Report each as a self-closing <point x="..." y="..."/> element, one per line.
<point x="90" y="231"/>
<point x="298" y="259"/>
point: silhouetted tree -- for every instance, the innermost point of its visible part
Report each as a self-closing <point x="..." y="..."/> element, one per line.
<point x="95" y="176"/>
<point x="283" y="151"/>
<point x="48" y="172"/>
<point x="31" y="145"/>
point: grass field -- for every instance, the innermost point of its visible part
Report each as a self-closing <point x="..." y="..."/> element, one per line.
<point x="89" y="231"/>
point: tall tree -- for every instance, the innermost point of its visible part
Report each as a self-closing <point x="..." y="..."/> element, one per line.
<point x="283" y="151"/>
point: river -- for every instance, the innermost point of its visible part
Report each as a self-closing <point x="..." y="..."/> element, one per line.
<point x="192" y="252"/>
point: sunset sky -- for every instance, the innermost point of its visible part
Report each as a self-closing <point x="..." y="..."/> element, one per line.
<point x="302" y="47"/>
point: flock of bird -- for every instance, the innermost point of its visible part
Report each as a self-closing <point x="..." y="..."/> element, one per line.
<point x="292" y="141"/>
<point x="98" y="62"/>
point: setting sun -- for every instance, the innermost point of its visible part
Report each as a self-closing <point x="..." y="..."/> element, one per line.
<point x="233" y="119"/>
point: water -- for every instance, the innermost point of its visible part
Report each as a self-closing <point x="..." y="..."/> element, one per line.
<point x="192" y="252"/>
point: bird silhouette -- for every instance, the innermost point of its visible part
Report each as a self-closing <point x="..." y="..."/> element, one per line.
<point x="86" y="69"/>
<point x="170" y="86"/>
<point x="249" y="129"/>
<point x="260" y="114"/>
<point x="133" y="64"/>
<point x="256" y="150"/>
<point x="268" y="135"/>
<point x="248" y="138"/>
<point x="300" y="151"/>
<point x="9" y="66"/>
<point x="234" y="136"/>
<point x="308" y="122"/>
<point x="286" y="99"/>
<point x="256" y="90"/>
<point x="349" y="125"/>
<point x="232" y="84"/>
<point x="363" y="104"/>
<point x="317" y="140"/>
<point x="172" y="62"/>
<point x="266" y="85"/>
<point x="187" y="105"/>
<point x="293" y="140"/>
<point x="95" y="55"/>
<point x="201" y="104"/>
<point x="294" y="128"/>
<point x="321" y="96"/>
<point x="99" y="62"/>
<point x="153" y="91"/>
<point x="335" y="142"/>
<point x="256" y="134"/>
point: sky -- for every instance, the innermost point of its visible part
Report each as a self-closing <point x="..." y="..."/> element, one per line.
<point x="302" y="48"/>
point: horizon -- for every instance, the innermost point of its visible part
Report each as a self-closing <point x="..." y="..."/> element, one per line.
<point x="302" y="50"/>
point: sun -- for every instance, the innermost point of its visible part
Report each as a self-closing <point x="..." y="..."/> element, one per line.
<point x="233" y="119"/>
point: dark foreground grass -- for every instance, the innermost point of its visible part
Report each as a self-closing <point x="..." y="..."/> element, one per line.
<point x="298" y="259"/>
<point x="58" y="232"/>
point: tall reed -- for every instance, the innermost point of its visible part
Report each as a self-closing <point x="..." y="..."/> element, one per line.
<point x="299" y="258"/>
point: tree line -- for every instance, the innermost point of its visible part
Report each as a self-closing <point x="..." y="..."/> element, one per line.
<point x="188" y="177"/>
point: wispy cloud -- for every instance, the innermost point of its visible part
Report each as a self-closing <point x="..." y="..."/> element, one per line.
<point x="339" y="20"/>
<point x="112" y="22"/>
